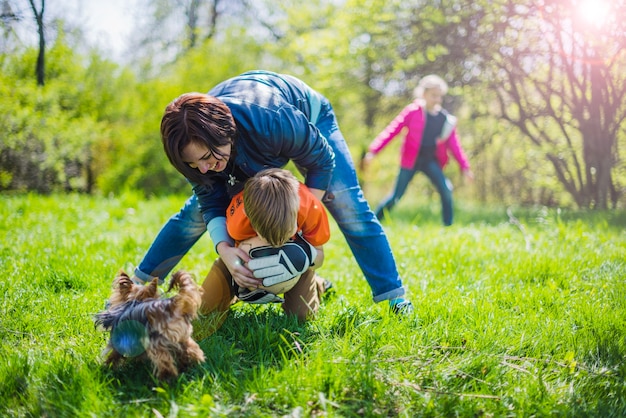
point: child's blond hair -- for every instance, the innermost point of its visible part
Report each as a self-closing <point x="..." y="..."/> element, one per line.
<point x="272" y="201"/>
<point x="428" y="82"/>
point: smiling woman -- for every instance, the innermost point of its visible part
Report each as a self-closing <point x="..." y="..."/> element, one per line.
<point x="200" y="157"/>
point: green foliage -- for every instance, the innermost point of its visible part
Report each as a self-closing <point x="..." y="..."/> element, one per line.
<point x="48" y="132"/>
<point x="94" y="126"/>
<point x="558" y="87"/>
<point x="132" y="157"/>
<point x="512" y="319"/>
<point x="210" y="63"/>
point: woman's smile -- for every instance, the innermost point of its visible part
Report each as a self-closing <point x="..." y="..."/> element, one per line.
<point x="199" y="156"/>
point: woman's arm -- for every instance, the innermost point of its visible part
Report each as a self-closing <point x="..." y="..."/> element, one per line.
<point x="236" y="260"/>
<point x="213" y="201"/>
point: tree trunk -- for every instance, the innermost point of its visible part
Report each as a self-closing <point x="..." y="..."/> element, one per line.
<point x="192" y="23"/>
<point x="41" y="67"/>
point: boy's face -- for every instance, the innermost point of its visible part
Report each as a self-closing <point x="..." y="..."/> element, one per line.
<point x="433" y="99"/>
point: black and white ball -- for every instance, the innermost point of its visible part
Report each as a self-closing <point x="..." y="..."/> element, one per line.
<point x="278" y="288"/>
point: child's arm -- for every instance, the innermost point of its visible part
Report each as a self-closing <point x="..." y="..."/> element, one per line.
<point x="319" y="259"/>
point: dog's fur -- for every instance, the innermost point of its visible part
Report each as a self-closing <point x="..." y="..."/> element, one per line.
<point x="167" y="321"/>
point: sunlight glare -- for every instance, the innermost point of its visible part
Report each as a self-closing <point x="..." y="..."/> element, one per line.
<point x="593" y="12"/>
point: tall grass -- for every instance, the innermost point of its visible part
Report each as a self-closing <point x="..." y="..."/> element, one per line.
<point x="518" y="314"/>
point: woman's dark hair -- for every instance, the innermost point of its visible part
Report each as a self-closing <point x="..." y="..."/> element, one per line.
<point x="195" y="118"/>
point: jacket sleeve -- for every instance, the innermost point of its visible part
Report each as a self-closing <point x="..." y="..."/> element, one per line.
<point x="391" y="131"/>
<point x="295" y="138"/>
<point x="213" y="201"/>
<point x="454" y="146"/>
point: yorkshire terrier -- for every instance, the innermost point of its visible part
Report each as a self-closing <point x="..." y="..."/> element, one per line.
<point x="139" y="321"/>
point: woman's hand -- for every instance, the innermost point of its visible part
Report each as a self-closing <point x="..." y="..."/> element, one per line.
<point x="236" y="261"/>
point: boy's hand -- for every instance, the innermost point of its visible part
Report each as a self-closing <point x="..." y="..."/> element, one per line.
<point x="279" y="264"/>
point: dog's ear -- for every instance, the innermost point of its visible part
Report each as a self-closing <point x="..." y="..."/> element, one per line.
<point x="149" y="291"/>
<point x="153" y="287"/>
<point x="182" y="279"/>
<point x="189" y="296"/>
<point x="122" y="286"/>
<point x="123" y="283"/>
<point x="176" y="280"/>
<point x="120" y="278"/>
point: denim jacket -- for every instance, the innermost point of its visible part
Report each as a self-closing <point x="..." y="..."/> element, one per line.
<point x="273" y="115"/>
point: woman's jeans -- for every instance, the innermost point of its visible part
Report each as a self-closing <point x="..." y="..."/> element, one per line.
<point x="345" y="202"/>
<point x="434" y="172"/>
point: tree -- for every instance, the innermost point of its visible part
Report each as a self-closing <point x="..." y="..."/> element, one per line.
<point x="170" y="28"/>
<point x="41" y="67"/>
<point x="559" y="78"/>
<point x="8" y="17"/>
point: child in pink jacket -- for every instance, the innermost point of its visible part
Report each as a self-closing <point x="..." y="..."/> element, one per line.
<point x="430" y="138"/>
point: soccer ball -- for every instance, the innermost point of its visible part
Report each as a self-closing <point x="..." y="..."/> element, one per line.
<point x="278" y="288"/>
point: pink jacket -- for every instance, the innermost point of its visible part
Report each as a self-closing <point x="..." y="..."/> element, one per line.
<point x="413" y="118"/>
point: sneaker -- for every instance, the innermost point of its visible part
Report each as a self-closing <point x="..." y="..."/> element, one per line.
<point x="258" y="296"/>
<point x="329" y="289"/>
<point x="403" y="307"/>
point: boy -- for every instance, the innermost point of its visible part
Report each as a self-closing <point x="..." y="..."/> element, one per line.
<point x="275" y="206"/>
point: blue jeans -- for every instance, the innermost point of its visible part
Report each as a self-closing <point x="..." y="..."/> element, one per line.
<point x="434" y="172"/>
<point x="345" y="202"/>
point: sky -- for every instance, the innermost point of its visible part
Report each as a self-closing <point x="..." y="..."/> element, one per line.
<point x="107" y="23"/>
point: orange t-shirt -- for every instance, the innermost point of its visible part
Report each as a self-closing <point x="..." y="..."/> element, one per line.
<point x="312" y="219"/>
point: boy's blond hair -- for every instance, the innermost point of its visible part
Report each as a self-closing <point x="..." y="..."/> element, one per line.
<point x="272" y="201"/>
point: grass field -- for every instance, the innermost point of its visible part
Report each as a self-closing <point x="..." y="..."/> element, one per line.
<point x="520" y="316"/>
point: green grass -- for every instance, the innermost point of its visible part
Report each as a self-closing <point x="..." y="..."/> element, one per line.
<point x="522" y="319"/>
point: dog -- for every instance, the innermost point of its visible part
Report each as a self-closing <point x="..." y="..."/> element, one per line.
<point x="142" y="323"/>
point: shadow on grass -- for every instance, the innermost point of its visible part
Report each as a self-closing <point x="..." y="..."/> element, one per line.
<point x="466" y="214"/>
<point x="252" y="338"/>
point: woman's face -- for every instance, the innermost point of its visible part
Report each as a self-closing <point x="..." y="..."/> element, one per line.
<point x="433" y="99"/>
<point x="200" y="156"/>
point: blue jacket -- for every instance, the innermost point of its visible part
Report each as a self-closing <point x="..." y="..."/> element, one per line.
<point x="273" y="115"/>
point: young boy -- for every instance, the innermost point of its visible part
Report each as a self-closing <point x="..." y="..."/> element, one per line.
<point x="275" y="206"/>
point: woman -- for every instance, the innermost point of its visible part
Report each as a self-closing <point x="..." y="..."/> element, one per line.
<point x="248" y="123"/>
<point x="430" y="136"/>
